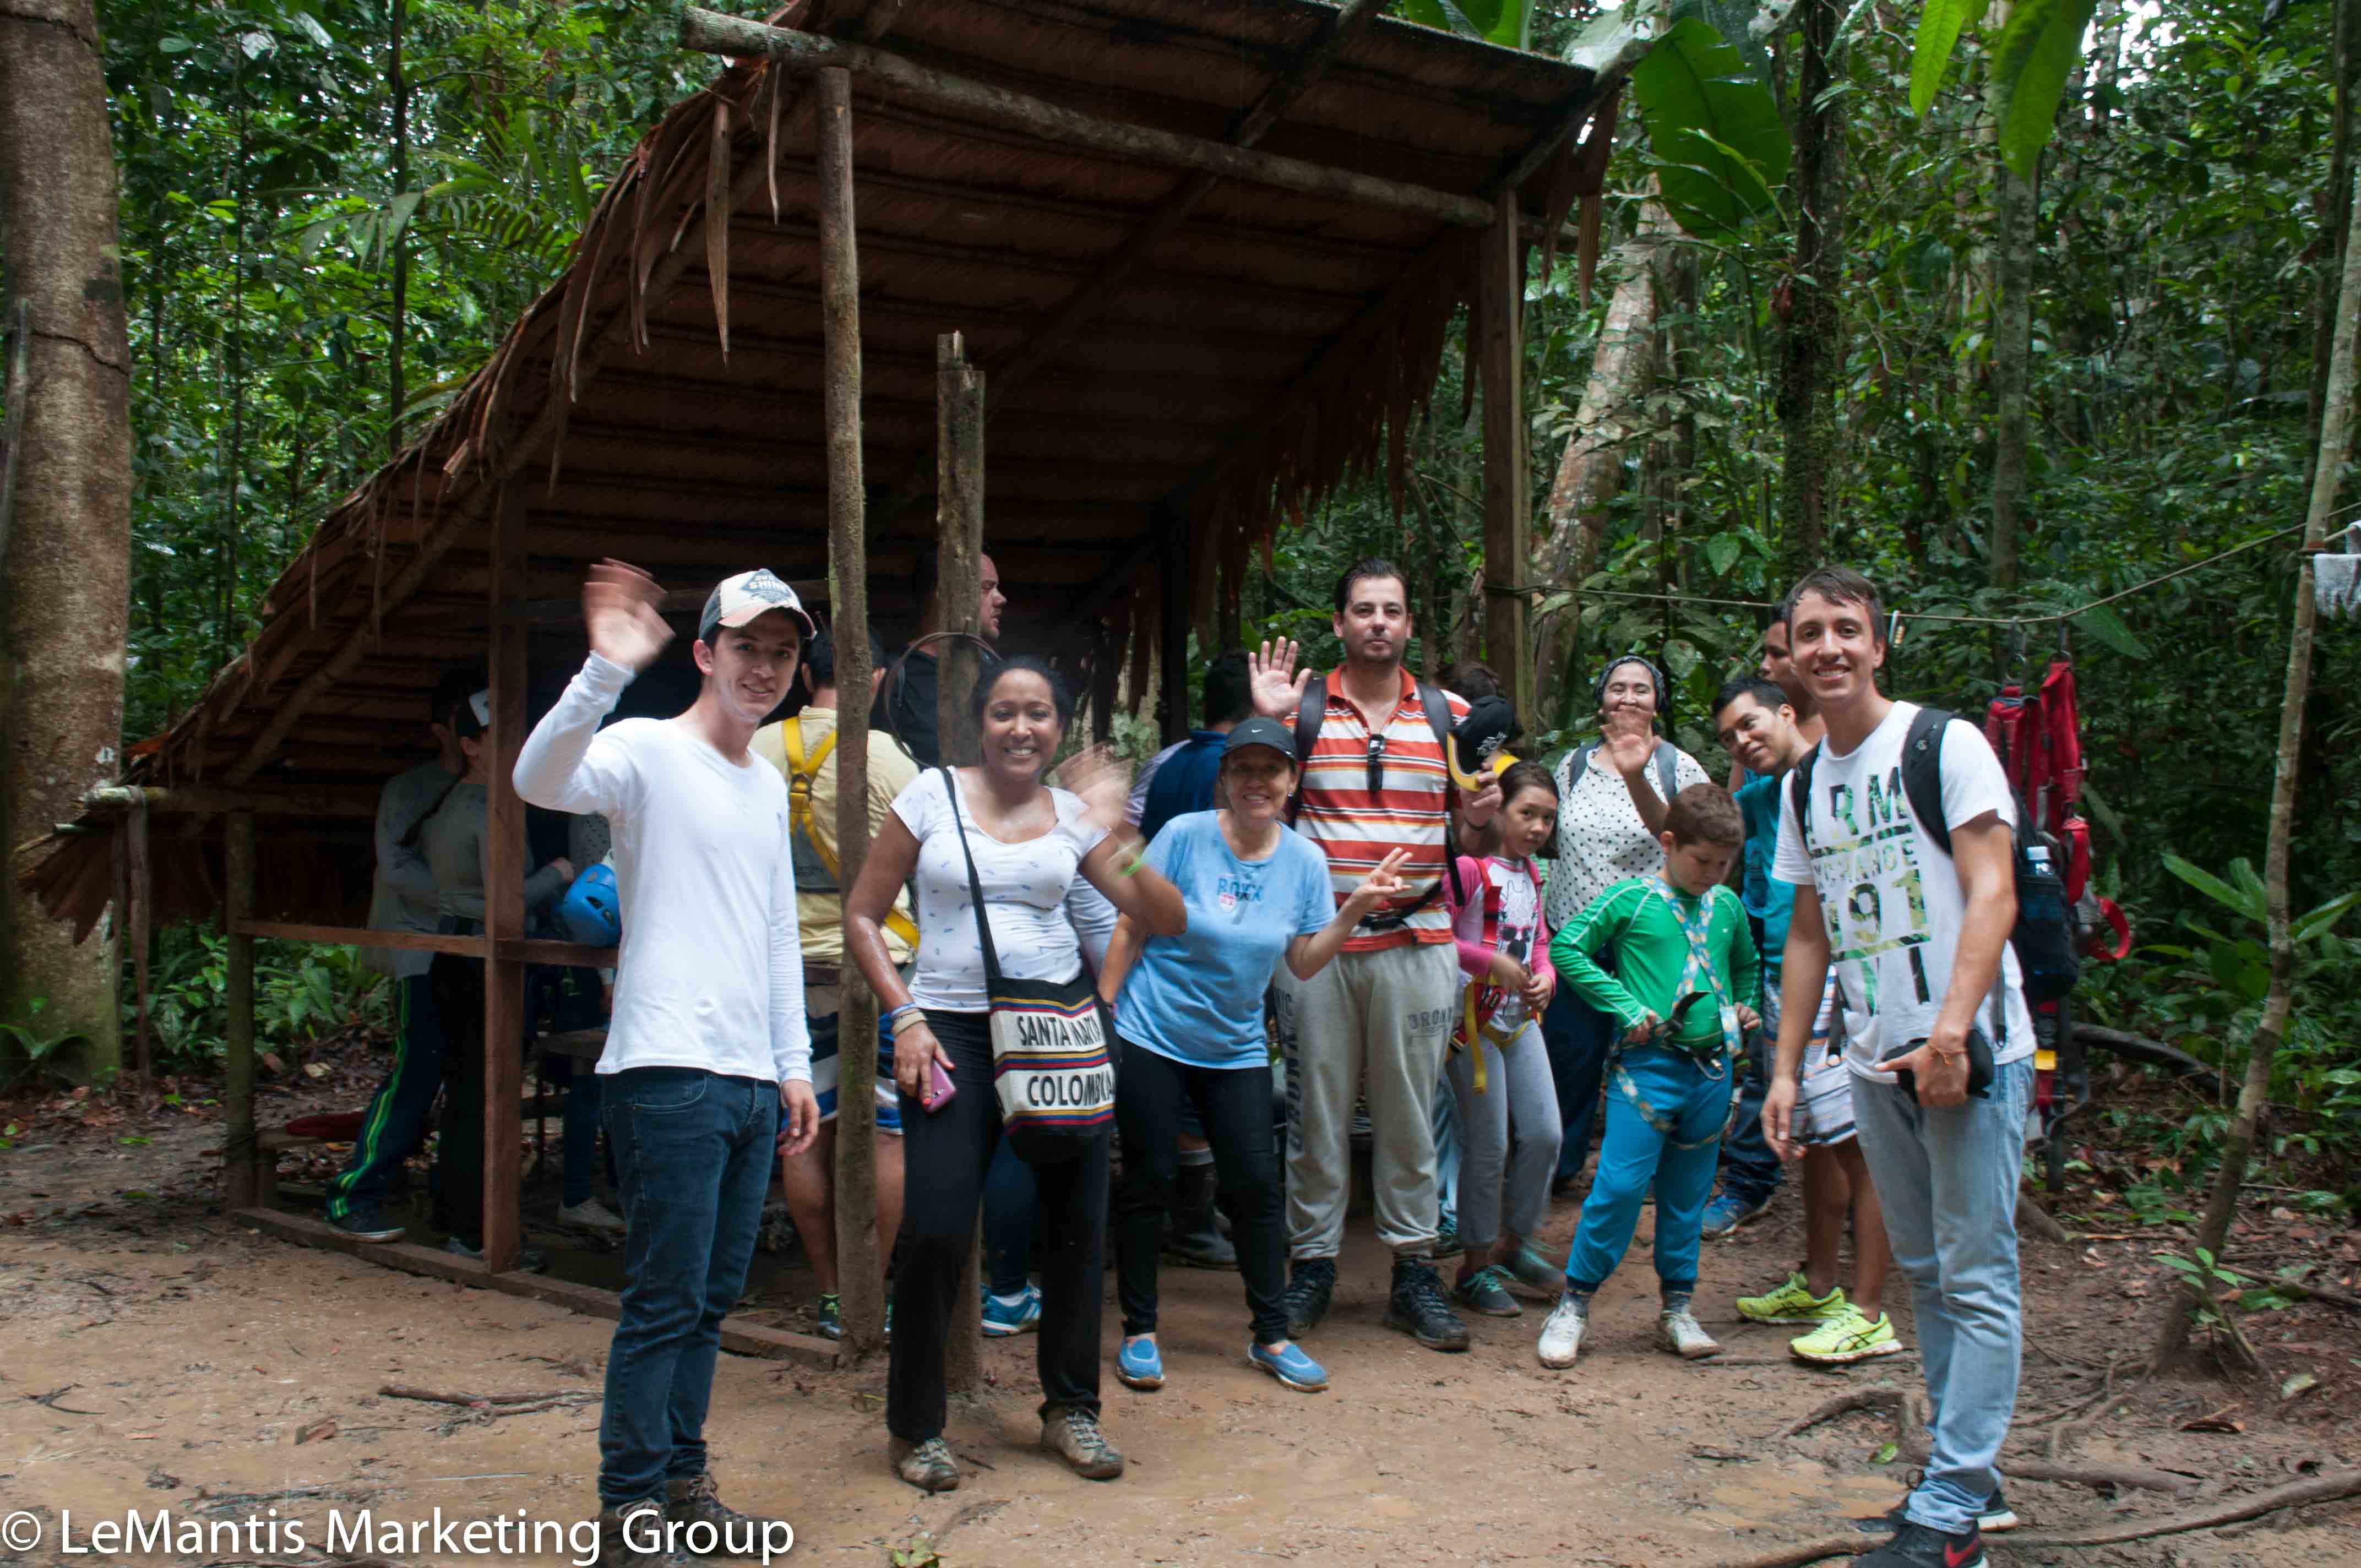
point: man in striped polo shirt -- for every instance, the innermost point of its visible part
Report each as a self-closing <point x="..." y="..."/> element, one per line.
<point x="1374" y="779"/>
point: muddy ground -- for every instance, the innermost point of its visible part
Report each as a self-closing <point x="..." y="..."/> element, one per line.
<point x="155" y="1354"/>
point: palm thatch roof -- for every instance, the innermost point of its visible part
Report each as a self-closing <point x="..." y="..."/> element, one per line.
<point x="1163" y="349"/>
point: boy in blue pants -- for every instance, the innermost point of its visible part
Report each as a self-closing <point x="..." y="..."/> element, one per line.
<point x="1685" y="987"/>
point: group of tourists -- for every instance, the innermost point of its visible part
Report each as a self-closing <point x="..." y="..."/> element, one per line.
<point x="1457" y="955"/>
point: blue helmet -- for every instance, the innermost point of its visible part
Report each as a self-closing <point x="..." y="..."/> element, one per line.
<point x="591" y="911"/>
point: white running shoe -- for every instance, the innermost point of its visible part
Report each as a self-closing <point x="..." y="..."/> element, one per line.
<point x="1679" y="1332"/>
<point x="1562" y="1334"/>
<point x="591" y="1215"/>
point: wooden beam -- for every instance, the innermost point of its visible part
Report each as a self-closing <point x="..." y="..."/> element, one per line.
<point x="363" y="936"/>
<point x="204" y="800"/>
<point x="860" y="1283"/>
<point x="504" y="861"/>
<point x="244" y="1181"/>
<point x="801" y="53"/>
<point x="738" y="1338"/>
<point x="1498" y="330"/>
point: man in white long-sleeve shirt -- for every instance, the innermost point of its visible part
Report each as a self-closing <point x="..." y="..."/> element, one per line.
<point x="708" y="1064"/>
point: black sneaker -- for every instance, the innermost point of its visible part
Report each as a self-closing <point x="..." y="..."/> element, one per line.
<point x="1995" y="1517"/>
<point x="1917" y="1546"/>
<point x="1416" y="1306"/>
<point x="367" y="1225"/>
<point x="1310" y="1286"/>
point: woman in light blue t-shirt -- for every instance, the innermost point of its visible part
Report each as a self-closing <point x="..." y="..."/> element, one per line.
<point x="1189" y="1009"/>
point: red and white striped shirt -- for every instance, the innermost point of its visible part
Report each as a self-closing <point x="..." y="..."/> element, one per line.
<point x="1410" y="810"/>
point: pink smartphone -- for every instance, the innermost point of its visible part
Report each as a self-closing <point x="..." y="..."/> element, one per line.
<point x="940" y="1086"/>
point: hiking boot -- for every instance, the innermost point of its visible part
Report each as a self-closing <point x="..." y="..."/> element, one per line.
<point x="591" y="1215"/>
<point x="632" y="1535"/>
<point x="1486" y="1291"/>
<point x="1191" y="1237"/>
<point x="1995" y="1517"/>
<point x="1918" y="1546"/>
<point x="1002" y="1320"/>
<point x="1310" y="1286"/>
<point x="1140" y="1364"/>
<point x="1794" y="1302"/>
<point x="1416" y="1306"/>
<point x="1728" y="1210"/>
<point x="1073" y="1435"/>
<point x="1536" y="1270"/>
<point x="367" y="1225"/>
<point x="927" y="1465"/>
<point x="829" y="1314"/>
<point x="1290" y="1366"/>
<point x="1562" y="1334"/>
<point x="529" y="1260"/>
<point x="1678" y="1330"/>
<point x="1843" y="1340"/>
<point x="711" y="1528"/>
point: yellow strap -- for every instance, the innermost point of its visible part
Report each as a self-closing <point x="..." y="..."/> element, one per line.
<point x="801" y="774"/>
<point x="1474" y="1036"/>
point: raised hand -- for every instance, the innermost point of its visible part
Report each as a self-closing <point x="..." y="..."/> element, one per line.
<point x="1628" y="740"/>
<point x="618" y="611"/>
<point x="1382" y="884"/>
<point x="1103" y="780"/>
<point x="1276" y="682"/>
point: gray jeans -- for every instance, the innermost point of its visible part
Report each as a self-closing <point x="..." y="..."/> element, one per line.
<point x="1386" y="1014"/>
<point x="1508" y="1136"/>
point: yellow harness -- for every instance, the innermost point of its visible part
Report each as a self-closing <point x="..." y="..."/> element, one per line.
<point x="801" y="771"/>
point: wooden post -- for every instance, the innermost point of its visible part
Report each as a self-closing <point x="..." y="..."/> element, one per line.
<point x="958" y="549"/>
<point x="958" y="540"/>
<point x="1172" y="621"/>
<point x="1507" y="494"/>
<point x="504" y="894"/>
<point x="861" y="1274"/>
<point x="247" y="1179"/>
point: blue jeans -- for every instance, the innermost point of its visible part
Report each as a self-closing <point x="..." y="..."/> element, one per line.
<point x="397" y="1119"/>
<point x="1947" y="1179"/>
<point x="1749" y="1170"/>
<point x="1576" y="1036"/>
<point x="694" y="1151"/>
<point x="1634" y="1152"/>
<point x="1445" y="1123"/>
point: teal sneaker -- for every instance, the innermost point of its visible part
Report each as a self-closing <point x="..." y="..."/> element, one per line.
<point x="1139" y="1365"/>
<point x="1292" y="1368"/>
<point x="1000" y="1320"/>
<point x="1486" y="1291"/>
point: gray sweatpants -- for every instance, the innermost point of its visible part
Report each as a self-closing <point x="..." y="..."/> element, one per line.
<point x="1385" y="1014"/>
<point x="1508" y="1138"/>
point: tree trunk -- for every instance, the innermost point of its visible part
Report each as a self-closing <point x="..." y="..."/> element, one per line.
<point x="1807" y="368"/>
<point x="2340" y="197"/>
<point x="64" y="592"/>
<point x="2238" y="1146"/>
<point x="1610" y="416"/>
<point x="398" y="87"/>
<point x="2013" y="238"/>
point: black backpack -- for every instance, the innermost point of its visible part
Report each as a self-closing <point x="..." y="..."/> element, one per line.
<point x="2044" y="936"/>
<point x="1312" y="714"/>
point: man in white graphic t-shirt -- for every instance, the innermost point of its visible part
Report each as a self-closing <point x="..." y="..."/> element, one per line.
<point x="1919" y="937"/>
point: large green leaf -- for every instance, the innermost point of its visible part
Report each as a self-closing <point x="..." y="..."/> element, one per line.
<point x="1720" y="143"/>
<point x="1732" y="20"/>
<point x="2102" y="622"/>
<point x="1940" y="26"/>
<point x="1509" y="22"/>
<point x="2037" y="49"/>
<point x="2232" y="898"/>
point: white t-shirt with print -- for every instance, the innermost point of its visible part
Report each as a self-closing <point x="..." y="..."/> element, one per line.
<point x="1889" y="895"/>
<point x="1601" y="839"/>
<point x="1024" y="888"/>
<point x="1520" y="919"/>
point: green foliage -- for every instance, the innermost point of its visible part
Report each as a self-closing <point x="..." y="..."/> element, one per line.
<point x="2038" y="46"/>
<point x="34" y="1045"/>
<point x="1940" y="23"/>
<point x="1720" y="145"/>
<point x="1509" y="22"/>
<point x="302" y="993"/>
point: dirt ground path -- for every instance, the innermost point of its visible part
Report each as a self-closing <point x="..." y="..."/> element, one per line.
<point x="220" y="1374"/>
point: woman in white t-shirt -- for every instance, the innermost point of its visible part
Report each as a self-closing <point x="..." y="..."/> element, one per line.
<point x="1609" y="811"/>
<point x="1030" y="842"/>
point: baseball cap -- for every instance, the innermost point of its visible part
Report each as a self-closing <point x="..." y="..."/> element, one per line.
<point x="737" y="601"/>
<point x="1261" y="731"/>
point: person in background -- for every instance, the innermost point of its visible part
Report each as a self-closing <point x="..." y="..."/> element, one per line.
<point x="804" y="750"/>
<point x="708" y="1059"/>
<point x="454" y="845"/>
<point x="1028" y="843"/>
<point x="1926" y="979"/>
<point x="1189" y="1009"/>
<point x="1683" y="993"/>
<point x="906" y="707"/>
<point x="1758" y="728"/>
<point x="1499" y="1071"/>
<point x="1612" y="796"/>
<point x="402" y="898"/>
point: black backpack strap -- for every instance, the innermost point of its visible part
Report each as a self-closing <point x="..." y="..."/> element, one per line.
<point x="1799" y="795"/>
<point x="1309" y="714"/>
<point x="1668" y="770"/>
<point x="1437" y="708"/>
<point x="1922" y="773"/>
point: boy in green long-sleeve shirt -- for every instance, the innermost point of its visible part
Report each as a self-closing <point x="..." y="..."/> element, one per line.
<point x="1686" y="986"/>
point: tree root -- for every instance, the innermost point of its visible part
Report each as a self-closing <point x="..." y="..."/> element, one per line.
<point x="1887" y="1399"/>
<point x="2096" y="1475"/>
<point x="479" y="1401"/>
<point x="2319" y="1489"/>
<point x="1910" y="1413"/>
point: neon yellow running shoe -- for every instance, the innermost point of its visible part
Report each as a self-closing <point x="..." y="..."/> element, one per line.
<point x="1795" y="1303"/>
<point x="1853" y="1337"/>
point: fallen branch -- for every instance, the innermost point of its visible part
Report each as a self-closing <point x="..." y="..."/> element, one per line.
<point x="2097" y="1476"/>
<point x="2319" y="1293"/>
<point x="479" y="1401"/>
<point x="2140" y="1048"/>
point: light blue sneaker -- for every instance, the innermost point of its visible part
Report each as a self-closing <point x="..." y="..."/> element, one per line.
<point x="1728" y="1210"/>
<point x="1290" y="1366"/>
<point x="1139" y="1365"/>
<point x="1000" y="1321"/>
